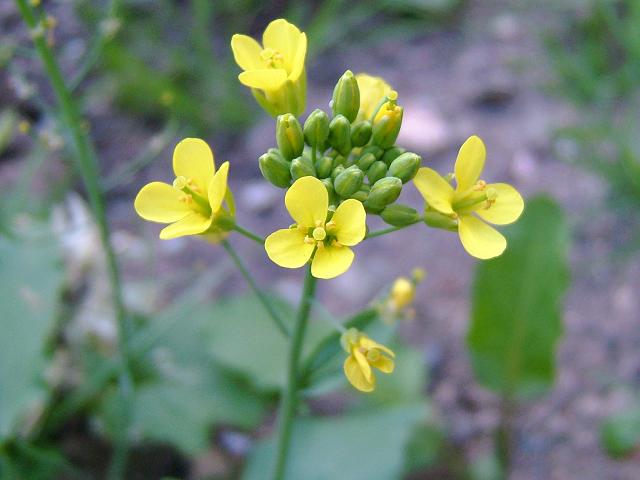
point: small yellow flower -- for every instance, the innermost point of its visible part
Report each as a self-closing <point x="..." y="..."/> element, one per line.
<point x="275" y="70"/>
<point x="372" y="91"/>
<point x="403" y="291"/>
<point x="193" y="204"/>
<point x="472" y="201"/>
<point x="364" y="355"/>
<point x="314" y="235"/>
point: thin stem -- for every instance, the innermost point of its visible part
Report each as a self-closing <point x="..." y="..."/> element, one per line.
<point x="266" y="303"/>
<point x="384" y="231"/>
<point x="290" y="396"/>
<point x="248" y="234"/>
<point x="87" y="165"/>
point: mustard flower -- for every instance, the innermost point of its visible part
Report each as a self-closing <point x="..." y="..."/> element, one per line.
<point x="372" y="91"/>
<point x="275" y="70"/>
<point x="192" y="205"/>
<point x="403" y="292"/>
<point x="473" y="202"/>
<point x="364" y="355"/>
<point x="317" y="234"/>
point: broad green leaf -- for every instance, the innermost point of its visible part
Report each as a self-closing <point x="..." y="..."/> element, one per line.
<point x="370" y="445"/>
<point x="30" y="276"/>
<point x="517" y="304"/>
<point x="620" y="433"/>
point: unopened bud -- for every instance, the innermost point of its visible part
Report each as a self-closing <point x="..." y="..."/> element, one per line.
<point x="362" y="194"/>
<point x="383" y="192"/>
<point x="361" y="133"/>
<point x="339" y="160"/>
<point x="436" y="219"/>
<point x="373" y="149"/>
<point x="399" y="215"/>
<point x="302" y="167"/>
<point x="316" y="128"/>
<point x="333" y="198"/>
<point x="337" y="171"/>
<point x="405" y="166"/>
<point x="346" y="97"/>
<point x="289" y="136"/>
<point x="386" y="125"/>
<point x="349" y="181"/>
<point x="376" y="171"/>
<point x="365" y="161"/>
<point x="340" y="134"/>
<point x="324" y="165"/>
<point x="275" y="168"/>
<point x="391" y="154"/>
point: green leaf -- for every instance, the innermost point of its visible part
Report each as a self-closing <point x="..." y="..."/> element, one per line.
<point x="517" y="302"/>
<point x="30" y="277"/>
<point x="369" y="445"/>
<point x="620" y="433"/>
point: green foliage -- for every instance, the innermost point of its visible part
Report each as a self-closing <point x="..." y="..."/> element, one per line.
<point x="31" y="277"/>
<point x="486" y="467"/>
<point x="517" y="302"/>
<point x="620" y="433"/>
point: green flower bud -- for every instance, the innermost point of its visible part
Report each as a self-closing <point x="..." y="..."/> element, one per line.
<point x="386" y="125"/>
<point x="405" y="166"/>
<point x="399" y="215"/>
<point x="339" y="160"/>
<point x="373" y="149"/>
<point x="361" y="133"/>
<point x="365" y="161"/>
<point x="337" y="171"/>
<point x="324" y="165"/>
<point x="275" y="168"/>
<point x="383" y="192"/>
<point x="348" y="182"/>
<point x="302" y="167"/>
<point x="333" y="198"/>
<point x="436" y="219"/>
<point x="376" y="171"/>
<point x="391" y="154"/>
<point x="340" y="134"/>
<point x="346" y="97"/>
<point x="289" y="136"/>
<point x="316" y="128"/>
<point x="362" y="194"/>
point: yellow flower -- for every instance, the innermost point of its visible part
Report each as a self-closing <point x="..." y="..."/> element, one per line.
<point x="372" y="91"/>
<point x="403" y="291"/>
<point x="364" y="355"/>
<point x="472" y="201"/>
<point x="275" y="70"/>
<point x="314" y="235"/>
<point x="193" y="204"/>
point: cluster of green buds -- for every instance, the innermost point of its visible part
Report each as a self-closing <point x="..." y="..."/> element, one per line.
<point x="354" y="158"/>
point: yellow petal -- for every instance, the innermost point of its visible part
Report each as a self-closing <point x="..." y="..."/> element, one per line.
<point x="356" y="377"/>
<point x="384" y="364"/>
<point x="307" y="201"/>
<point x="479" y="239"/>
<point x="192" y="224"/>
<point x="268" y="79"/>
<point x="436" y="190"/>
<point x="329" y="262"/>
<point x="297" y="62"/>
<point x="218" y="187"/>
<point x="159" y="202"/>
<point x="367" y="343"/>
<point x="350" y="219"/>
<point x="193" y="159"/>
<point x="372" y="91"/>
<point x="286" y="248"/>
<point x="246" y="52"/>
<point x="507" y="207"/>
<point x="362" y="362"/>
<point x="470" y="163"/>
<point x="284" y="38"/>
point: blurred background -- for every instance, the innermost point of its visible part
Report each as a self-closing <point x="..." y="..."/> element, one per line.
<point x="551" y="86"/>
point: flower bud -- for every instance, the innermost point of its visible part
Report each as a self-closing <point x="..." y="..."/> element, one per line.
<point x="316" y="129"/>
<point x="324" y="165"/>
<point x="346" y="97"/>
<point x="339" y="160"/>
<point x="289" y="136"/>
<point x="373" y="149"/>
<point x="436" y="219"/>
<point x="362" y="194"/>
<point x="360" y="133"/>
<point x="399" y="215"/>
<point x="405" y="166"/>
<point x="391" y="154"/>
<point x="376" y="171"/>
<point x="340" y="134"/>
<point x="365" y="161"/>
<point x="333" y="198"/>
<point x="349" y="181"/>
<point x="275" y="168"/>
<point x="337" y="171"/>
<point x="383" y="192"/>
<point x="386" y="125"/>
<point x="302" y="167"/>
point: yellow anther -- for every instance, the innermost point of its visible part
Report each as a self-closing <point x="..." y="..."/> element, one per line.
<point x="392" y="96"/>
<point x="320" y="244"/>
<point x="330" y="226"/>
<point x="492" y="194"/>
<point x="272" y="57"/>
<point x="180" y="182"/>
<point x="336" y="243"/>
<point x="319" y="233"/>
<point x="480" y="185"/>
<point x="308" y="240"/>
<point x="186" y="198"/>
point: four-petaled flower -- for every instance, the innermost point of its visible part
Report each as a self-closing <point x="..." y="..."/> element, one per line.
<point x="364" y="355"/>
<point x="372" y="91"/>
<point x="497" y="203"/>
<point x="193" y="204"/>
<point x="274" y="70"/>
<point x="327" y="240"/>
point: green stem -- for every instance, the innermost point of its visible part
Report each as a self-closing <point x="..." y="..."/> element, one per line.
<point x="290" y="396"/>
<point x="248" y="234"/>
<point x="87" y="165"/>
<point x="266" y="303"/>
<point x="384" y="231"/>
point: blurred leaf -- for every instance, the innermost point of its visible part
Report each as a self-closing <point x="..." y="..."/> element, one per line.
<point x="517" y="302"/>
<point x="368" y="445"/>
<point x="30" y="276"/>
<point x="8" y="123"/>
<point x="424" y="448"/>
<point x="486" y="467"/>
<point x="620" y="433"/>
